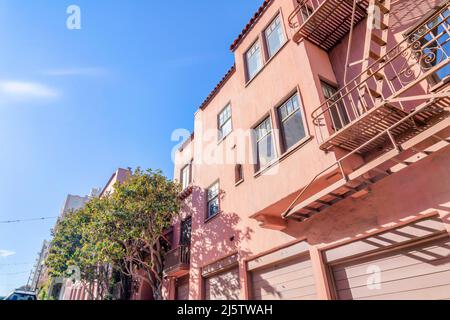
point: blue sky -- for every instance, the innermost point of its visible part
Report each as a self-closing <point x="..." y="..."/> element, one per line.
<point x="77" y="104"/>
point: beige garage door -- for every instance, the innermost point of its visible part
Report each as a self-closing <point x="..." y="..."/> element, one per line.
<point x="183" y="288"/>
<point x="292" y="280"/>
<point x="416" y="272"/>
<point x="223" y="286"/>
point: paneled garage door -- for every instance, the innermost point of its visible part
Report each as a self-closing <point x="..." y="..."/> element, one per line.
<point x="421" y="271"/>
<point x="223" y="286"/>
<point x="183" y="288"/>
<point x="291" y="280"/>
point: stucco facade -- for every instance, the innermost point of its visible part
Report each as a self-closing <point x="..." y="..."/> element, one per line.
<point x="249" y="233"/>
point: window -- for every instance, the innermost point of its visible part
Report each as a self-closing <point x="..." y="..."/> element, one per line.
<point x="186" y="232"/>
<point x="265" y="149"/>
<point x="254" y="60"/>
<point x="224" y="122"/>
<point x="338" y="113"/>
<point x="291" y="121"/>
<point x="274" y="36"/>
<point x="306" y="12"/>
<point x="213" y="201"/>
<point x="238" y="173"/>
<point x="186" y="176"/>
<point x="167" y="240"/>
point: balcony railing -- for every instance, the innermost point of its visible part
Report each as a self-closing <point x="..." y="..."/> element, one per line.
<point x="177" y="261"/>
<point x="325" y="22"/>
<point x="389" y="88"/>
<point x="393" y="114"/>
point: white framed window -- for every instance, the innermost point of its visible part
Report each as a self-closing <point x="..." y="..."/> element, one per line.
<point x="213" y="205"/>
<point x="225" y="122"/>
<point x="265" y="145"/>
<point x="186" y="176"/>
<point x="291" y="122"/>
<point x="275" y="37"/>
<point x="254" y="60"/>
<point x="337" y="111"/>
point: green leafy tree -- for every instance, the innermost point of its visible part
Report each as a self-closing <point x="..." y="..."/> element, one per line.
<point x="130" y="223"/>
<point x="119" y="232"/>
<point x="69" y="248"/>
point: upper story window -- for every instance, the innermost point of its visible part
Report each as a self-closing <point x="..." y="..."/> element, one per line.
<point x="213" y="205"/>
<point x="291" y="122"/>
<point x="265" y="148"/>
<point x="224" y="122"/>
<point x="186" y="176"/>
<point x="254" y="60"/>
<point x="338" y="113"/>
<point x="274" y="36"/>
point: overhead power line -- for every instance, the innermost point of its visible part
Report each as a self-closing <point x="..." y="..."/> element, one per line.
<point x="27" y="220"/>
<point x="15" y="264"/>
<point x="14" y="273"/>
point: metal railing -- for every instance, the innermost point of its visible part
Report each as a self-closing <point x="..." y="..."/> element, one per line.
<point x="420" y="56"/>
<point x="303" y="11"/>
<point x="409" y="69"/>
<point x="177" y="257"/>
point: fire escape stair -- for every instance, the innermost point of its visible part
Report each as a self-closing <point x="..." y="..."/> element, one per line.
<point x="361" y="179"/>
<point x="329" y="22"/>
<point x="385" y="135"/>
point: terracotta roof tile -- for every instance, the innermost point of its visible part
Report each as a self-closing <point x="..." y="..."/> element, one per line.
<point x="236" y="42"/>
<point x="218" y="87"/>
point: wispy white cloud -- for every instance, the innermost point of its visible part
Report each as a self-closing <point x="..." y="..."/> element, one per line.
<point x="6" y="253"/>
<point x="24" y="90"/>
<point x="68" y="72"/>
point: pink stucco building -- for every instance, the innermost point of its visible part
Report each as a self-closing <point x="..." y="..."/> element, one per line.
<point x="319" y="166"/>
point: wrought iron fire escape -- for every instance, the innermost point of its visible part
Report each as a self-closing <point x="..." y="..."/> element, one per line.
<point x="391" y="115"/>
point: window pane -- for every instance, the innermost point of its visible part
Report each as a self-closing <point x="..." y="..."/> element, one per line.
<point x="292" y="126"/>
<point x="254" y="60"/>
<point x="213" y="191"/>
<point x="293" y="129"/>
<point x="274" y="36"/>
<point x="213" y="207"/>
<point x="338" y="113"/>
<point x="225" y="130"/>
<point x="224" y="115"/>
<point x="185" y="177"/>
<point x="263" y="129"/>
<point x="266" y="151"/>
<point x="225" y="123"/>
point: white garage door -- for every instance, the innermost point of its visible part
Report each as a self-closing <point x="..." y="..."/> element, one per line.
<point x="417" y="272"/>
<point x="223" y="286"/>
<point x="292" y="280"/>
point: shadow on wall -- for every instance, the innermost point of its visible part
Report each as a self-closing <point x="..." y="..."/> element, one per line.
<point x="212" y="240"/>
<point x="406" y="13"/>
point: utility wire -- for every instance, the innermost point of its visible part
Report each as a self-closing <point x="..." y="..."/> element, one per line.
<point x="27" y="220"/>
<point x="14" y="273"/>
<point x="16" y="264"/>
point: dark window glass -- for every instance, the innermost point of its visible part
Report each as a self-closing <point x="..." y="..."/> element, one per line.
<point x="224" y="122"/>
<point x="186" y="231"/>
<point x="274" y="36"/>
<point x="213" y="201"/>
<point x="239" y="173"/>
<point x="292" y="126"/>
<point x="337" y="111"/>
<point x="254" y="60"/>
<point x="265" y="148"/>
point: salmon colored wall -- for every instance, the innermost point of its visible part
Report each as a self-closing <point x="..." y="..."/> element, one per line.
<point x="414" y="192"/>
